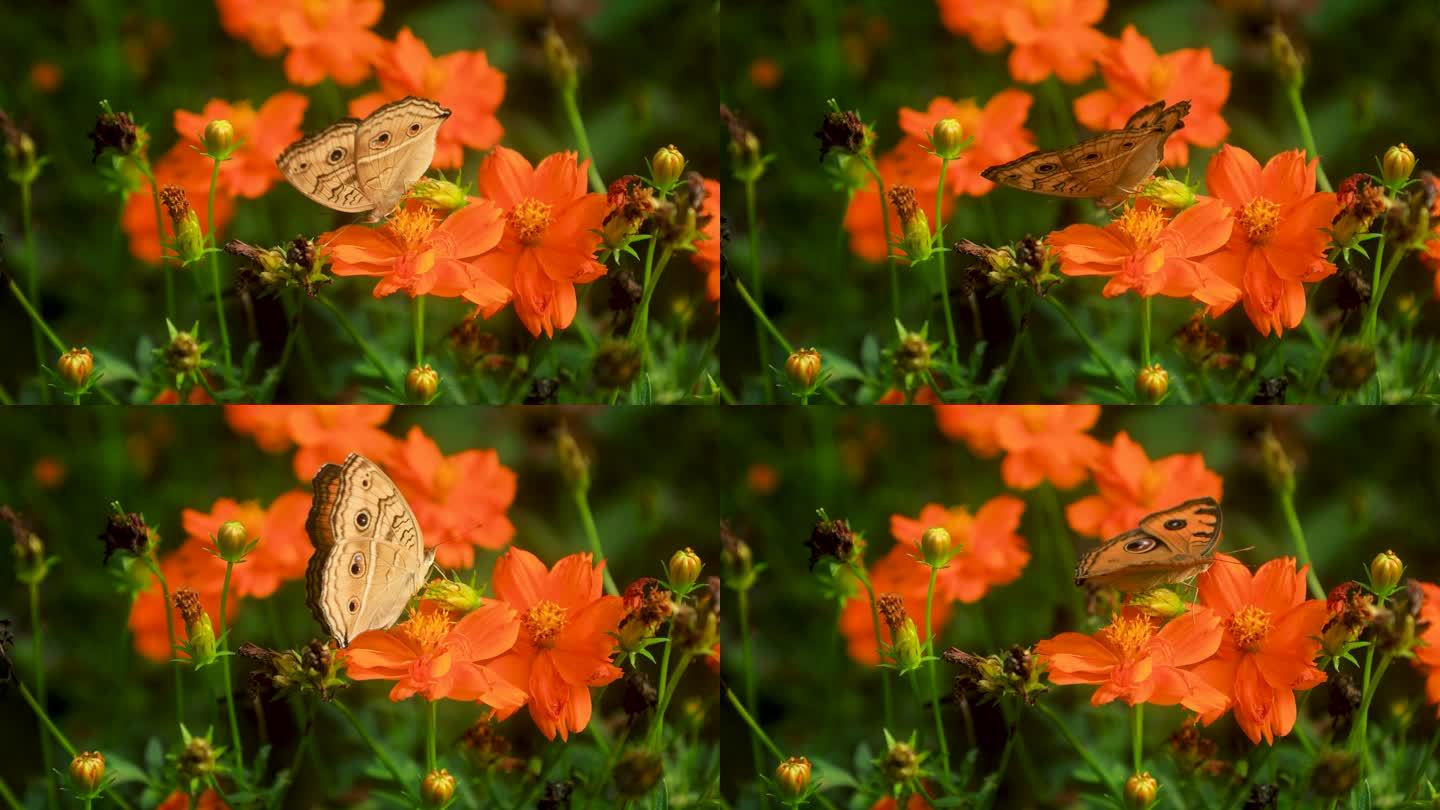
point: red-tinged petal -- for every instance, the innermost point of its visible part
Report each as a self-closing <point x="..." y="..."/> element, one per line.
<point x="357" y="244"/>
<point x="476" y="228"/>
<point x="488" y="630"/>
<point x="520" y="579"/>
<point x="1233" y="176"/>
<point x="1287" y="178"/>
<point x="575" y="581"/>
<point x="1089" y="244"/>
<point x="549" y="693"/>
<point x="1225" y="586"/>
<point x="506" y="177"/>
<point x="488" y="294"/>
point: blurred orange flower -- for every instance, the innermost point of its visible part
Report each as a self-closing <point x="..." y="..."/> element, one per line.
<point x="551" y="234"/>
<point x="765" y="73"/>
<point x="208" y="800"/>
<point x="762" y="478"/>
<point x="973" y="424"/>
<point x="192" y="566"/>
<point x="329" y="40"/>
<point x="915" y="802"/>
<point x="261" y="135"/>
<point x="1132" y="486"/>
<point x="1128" y="659"/>
<point x="1152" y="253"/>
<point x="46" y="76"/>
<point x="463" y="81"/>
<point x="904" y="165"/>
<point x="567" y="640"/>
<point x="49" y="472"/>
<point x="188" y="169"/>
<point x="1041" y="442"/>
<point x="255" y="21"/>
<point x="989" y="552"/>
<point x="1280" y="237"/>
<point x="1136" y="76"/>
<point x="1427" y="655"/>
<point x="983" y="21"/>
<point x="196" y="396"/>
<point x="324" y="433"/>
<point x="435" y="656"/>
<point x="897" y="573"/>
<point x="460" y="500"/>
<point x="998" y="129"/>
<point x="420" y="254"/>
<point x="924" y="395"/>
<point x="1053" y="36"/>
<point x="707" y="249"/>
<point x="1430" y="257"/>
<point x="283" y="550"/>
<point x="1271" y="638"/>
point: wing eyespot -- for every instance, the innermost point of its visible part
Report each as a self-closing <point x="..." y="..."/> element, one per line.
<point x="362" y="519"/>
<point x="1045" y="168"/>
<point x="379" y="141"/>
<point x="303" y="165"/>
<point x="1128" y="145"/>
<point x="365" y="482"/>
<point x="354" y="604"/>
<point x="1174" y="524"/>
<point x="357" y="565"/>
<point x="413" y="129"/>
<point x="1141" y="545"/>
<point x="336" y="155"/>
<point x="1092" y="156"/>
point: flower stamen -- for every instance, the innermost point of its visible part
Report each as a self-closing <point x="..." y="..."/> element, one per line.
<point x="543" y="622"/>
<point x="1129" y="634"/>
<point x="1142" y="225"/>
<point x="529" y="218"/>
<point x="427" y="629"/>
<point x="412" y="228"/>
<point x="1259" y="218"/>
<point x="1250" y="625"/>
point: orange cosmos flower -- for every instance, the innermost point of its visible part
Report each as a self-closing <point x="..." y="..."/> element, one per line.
<point x="463" y="81"/>
<point x="49" y="472"/>
<point x="324" y="433"/>
<point x="707" y="249"/>
<point x="1132" y="486"/>
<point x="1053" y="36"/>
<point x="983" y="21"/>
<point x="1130" y="660"/>
<point x="46" y="76"/>
<point x="551" y="234"/>
<point x="188" y="169"/>
<point x="915" y="802"/>
<point x="418" y="252"/>
<point x="1280" y="236"/>
<point x="1151" y="252"/>
<point x="974" y="424"/>
<point x="1041" y="442"/>
<point x="261" y="135"/>
<point x="191" y="565"/>
<point x="1427" y="655"/>
<point x="329" y="40"/>
<point x="1271" y="639"/>
<point x="1430" y="257"/>
<point x="898" y="573"/>
<point x="988" y="549"/>
<point x="567" y="640"/>
<point x="460" y="500"/>
<point x="434" y="656"/>
<point x="1136" y="76"/>
<point x="256" y="21"/>
<point x="283" y="550"/>
<point x="904" y="165"/>
<point x="998" y="129"/>
<point x="924" y="395"/>
<point x="208" y="800"/>
<point x="196" y="396"/>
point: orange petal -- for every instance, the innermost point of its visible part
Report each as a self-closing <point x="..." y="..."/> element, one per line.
<point x="488" y="630"/>
<point x="520" y="579"/>
<point x="1200" y="229"/>
<point x="1287" y="177"/>
<point x="1225" y="586"/>
<point x="1234" y="176"/>
<point x="1188" y="639"/>
<point x="575" y="580"/>
<point x="476" y="228"/>
<point x="506" y="177"/>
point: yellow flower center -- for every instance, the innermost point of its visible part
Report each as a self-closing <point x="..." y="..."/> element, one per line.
<point x="1259" y="218"/>
<point x="529" y="218"/>
<point x="1142" y="226"/>
<point x="1042" y="10"/>
<point x="1130" y="635"/>
<point x="1250" y="626"/>
<point x="317" y="12"/>
<point x="427" y="629"/>
<point x="412" y="228"/>
<point x="544" y="622"/>
<point x="1034" y="417"/>
<point x="1160" y="76"/>
<point x="445" y="478"/>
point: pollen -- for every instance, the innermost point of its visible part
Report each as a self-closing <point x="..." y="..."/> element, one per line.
<point x="529" y="218"/>
<point x="1250" y="626"/>
<point x="544" y="622"/>
<point x="1130" y="635"/>
<point x="412" y="228"/>
<point x="427" y="629"/>
<point x="1259" y="218"/>
<point x="1142" y="225"/>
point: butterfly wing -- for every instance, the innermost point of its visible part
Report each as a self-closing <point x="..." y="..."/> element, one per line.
<point x="322" y="167"/>
<point x="394" y="146"/>
<point x="1169" y="546"/>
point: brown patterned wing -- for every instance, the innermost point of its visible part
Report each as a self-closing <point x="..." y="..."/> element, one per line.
<point x="394" y="146"/>
<point x="322" y="167"/>
<point x="1170" y="546"/>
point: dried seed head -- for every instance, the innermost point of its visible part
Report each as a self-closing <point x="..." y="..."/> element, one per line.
<point x="114" y="131"/>
<point x="842" y="131"/>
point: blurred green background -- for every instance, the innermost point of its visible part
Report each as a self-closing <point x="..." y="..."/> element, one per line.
<point x="1367" y="479"/>
<point x="161" y="462"/>
<point x="645" y="79"/>
<point x="1370" y="80"/>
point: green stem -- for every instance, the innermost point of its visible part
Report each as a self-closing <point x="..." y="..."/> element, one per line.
<point x="1425" y="759"/>
<point x="225" y="670"/>
<point x="39" y="323"/>
<point x="668" y="695"/>
<point x="418" y="309"/>
<point x="370" y="741"/>
<point x="940" y="262"/>
<point x="49" y="725"/>
<point x="582" y="141"/>
<point x="9" y="797"/>
<point x="1137" y="736"/>
<point x="380" y="368"/>
<point x="592" y="536"/>
<point x="747" y="663"/>
<point x="656" y="721"/>
<point x="430" y="760"/>
<point x="170" y="633"/>
<point x="1382" y="282"/>
<point x="641" y="328"/>
<point x="1292" y="90"/>
<point x="1100" y="773"/>
<point x="37" y="639"/>
<point x="757" y="278"/>
<point x="1145" y="331"/>
<point x="1089" y="342"/>
<point x="144" y="167"/>
<point x="1302" y="550"/>
<point x="779" y="338"/>
<point x="879" y="641"/>
<point x="885" y="220"/>
<point x="32" y="283"/>
<point x="759" y="734"/>
<point x="1359" y="740"/>
<point x="934" y="686"/>
<point x="215" y="272"/>
<point x="1320" y="366"/>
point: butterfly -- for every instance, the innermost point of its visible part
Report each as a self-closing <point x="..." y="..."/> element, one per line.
<point x="369" y="557"/>
<point x="366" y="164"/>
<point x="1110" y="166"/>
<point x="1169" y="546"/>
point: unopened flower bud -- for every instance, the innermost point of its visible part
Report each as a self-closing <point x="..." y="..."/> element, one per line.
<point x="1286" y="61"/>
<point x="1169" y="193"/>
<point x="1398" y="163"/>
<point x="189" y="240"/>
<point x="684" y="568"/>
<point x="1140" y="790"/>
<point x="906" y="647"/>
<point x="946" y="137"/>
<point x="793" y="776"/>
<point x="76" y="365"/>
<point x="184" y="353"/>
<point x="914" y="353"/>
<point x="197" y="759"/>
<point x="441" y="194"/>
<point x="1152" y="383"/>
<point x="573" y="463"/>
<point x="231" y="540"/>
<point x="87" y="770"/>
<point x="421" y="383"/>
<point x="901" y="763"/>
<point x="1385" y="572"/>
<point x="914" y="225"/>
<point x="558" y="60"/>
<point x="218" y="138"/>
<point x="1161" y="602"/>
<point x="803" y="367"/>
<point x="666" y="166"/>
<point x="1276" y="463"/>
<point x="198" y="629"/>
<point x="935" y="545"/>
<point x="452" y="594"/>
<point x="438" y="788"/>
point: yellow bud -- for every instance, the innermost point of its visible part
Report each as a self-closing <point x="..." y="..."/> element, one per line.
<point x="441" y="194"/>
<point x="87" y="770"/>
<point x="935" y="545"/>
<point x="76" y="365"/>
<point x="1169" y="193"/>
<point x="219" y="136"/>
<point x="1276" y="463"/>
<point x="684" y="568"/>
<point x="573" y="463"/>
<point x="666" y="166"/>
<point x="558" y="60"/>
<point x="1140" y="790"/>
<point x="1398" y="163"/>
<point x="1161" y="602"/>
<point x="199" y="632"/>
<point x="189" y="239"/>
<point x="803" y="366"/>
<point x="907" y="646"/>
<point x="945" y="138"/>
<point x="451" y="594"/>
<point x="793" y="776"/>
<point x="437" y="788"/>
<point x="913" y="355"/>
<point x="231" y="540"/>
<point x="1287" y="62"/>
<point x="1151" y="383"/>
<point x="1385" y="572"/>
<point x="421" y="383"/>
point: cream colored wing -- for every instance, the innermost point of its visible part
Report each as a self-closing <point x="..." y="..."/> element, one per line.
<point x="369" y="554"/>
<point x="393" y="148"/>
<point x="322" y="167"/>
